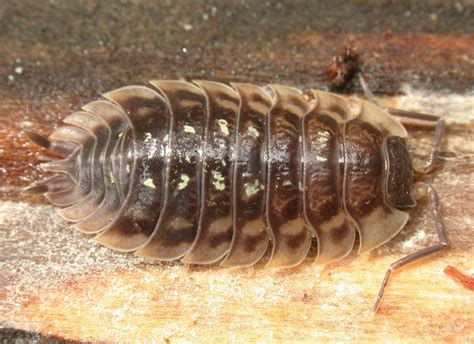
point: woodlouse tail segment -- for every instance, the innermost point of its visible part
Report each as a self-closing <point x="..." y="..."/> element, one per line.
<point x="61" y="157"/>
<point x="106" y="174"/>
<point x="83" y="149"/>
<point x="55" y="149"/>
<point x="75" y="165"/>
<point x="93" y="184"/>
<point x="52" y="184"/>
<point x="37" y="138"/>
<point x="433" y="204"/>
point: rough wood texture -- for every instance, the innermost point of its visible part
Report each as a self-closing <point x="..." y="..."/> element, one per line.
<point x="60" y="284"/>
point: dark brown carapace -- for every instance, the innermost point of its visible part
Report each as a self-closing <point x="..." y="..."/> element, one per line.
<point x="206" y="173"/>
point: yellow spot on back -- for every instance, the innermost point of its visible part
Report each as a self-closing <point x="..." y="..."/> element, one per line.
<point x="223" y="125"/>
<point x="149" y="183"/>
<point x="252" y="188"/>
<point x="184" y="182"/>
<point x="323" y="137"/>
<point x="218" y="180"/>
<point x="254" y="132"/>
<point x="189" y="129"/>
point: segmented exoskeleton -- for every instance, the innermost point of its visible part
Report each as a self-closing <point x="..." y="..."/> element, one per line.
<point x="206" y="172"/>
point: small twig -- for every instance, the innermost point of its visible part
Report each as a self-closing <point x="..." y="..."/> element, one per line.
<point x="466" y="281"/>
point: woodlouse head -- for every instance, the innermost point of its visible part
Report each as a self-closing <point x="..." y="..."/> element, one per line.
<point x="400" y="174"/>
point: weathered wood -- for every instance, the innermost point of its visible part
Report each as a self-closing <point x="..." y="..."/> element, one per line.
<point x="60" y="283"/>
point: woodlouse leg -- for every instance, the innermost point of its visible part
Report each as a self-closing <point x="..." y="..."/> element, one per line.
<point x="406" y="117"/>
<point x="442" y="236"/>
<point x="366" y="89"/>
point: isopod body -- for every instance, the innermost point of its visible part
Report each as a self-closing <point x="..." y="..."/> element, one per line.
<point x="207" y="172"/>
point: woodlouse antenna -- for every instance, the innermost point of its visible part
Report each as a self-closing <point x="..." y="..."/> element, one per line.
<point x="430" y="192"/>
<point x="433" y="202"/>
<point x="437" y="138"/>
<point x="434" y="153"/>
<point x="413" y="117"/>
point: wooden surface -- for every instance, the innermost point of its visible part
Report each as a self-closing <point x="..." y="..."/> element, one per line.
<point x="59" y="284"/>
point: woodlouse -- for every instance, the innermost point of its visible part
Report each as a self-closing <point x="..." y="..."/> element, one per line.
<point x="206" y="172"/>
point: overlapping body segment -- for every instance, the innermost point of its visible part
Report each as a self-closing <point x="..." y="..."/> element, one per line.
<point x="291" y="238"/>
<point x="250" y="233"/>
<point x="214" y="232"/>
<point x="148" y="116"/>
<point x="322" y="185"/>
<point x="207" y="172"/>
<point x="177" y="225"/>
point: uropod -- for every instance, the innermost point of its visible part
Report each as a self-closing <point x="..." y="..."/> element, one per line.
<point x="211" y="173"/>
